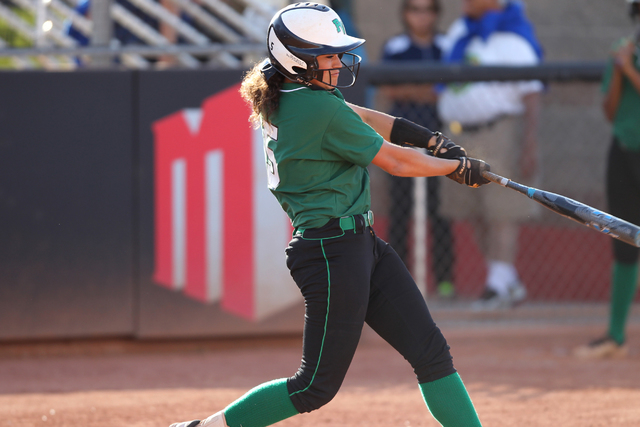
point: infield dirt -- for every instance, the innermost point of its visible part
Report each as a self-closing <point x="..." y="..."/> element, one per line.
<point x="516" y="377"/>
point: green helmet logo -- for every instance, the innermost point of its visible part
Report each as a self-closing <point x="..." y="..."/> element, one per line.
<point x="339" y="25"/>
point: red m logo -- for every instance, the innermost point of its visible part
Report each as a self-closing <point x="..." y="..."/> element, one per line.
<point x="220" y="234"/>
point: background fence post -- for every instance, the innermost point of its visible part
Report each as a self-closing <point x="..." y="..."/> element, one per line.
<point x="102" y="30"/>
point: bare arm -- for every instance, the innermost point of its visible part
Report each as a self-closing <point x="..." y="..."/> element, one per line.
<point x="625" y="61"/>
<point x="623" y="67"/>
<point x="380" y="122"/>
<point x="383" y="124"/>
<point x="634" y="76"/>
<point x="408" y="162"/>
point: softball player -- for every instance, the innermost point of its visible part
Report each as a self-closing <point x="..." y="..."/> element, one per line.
<point x="621" y="85"/>
<point x="317" y="148"/>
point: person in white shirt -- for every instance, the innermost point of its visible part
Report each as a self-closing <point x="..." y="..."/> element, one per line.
<point x="495" y="121"/>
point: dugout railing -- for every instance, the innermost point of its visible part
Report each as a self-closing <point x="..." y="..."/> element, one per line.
<point x="58" y="24"/>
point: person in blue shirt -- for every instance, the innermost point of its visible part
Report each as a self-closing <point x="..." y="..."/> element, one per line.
<point x="497" y="120"/>
<point x="417" y="102"/>
<point x="122" y="34"/>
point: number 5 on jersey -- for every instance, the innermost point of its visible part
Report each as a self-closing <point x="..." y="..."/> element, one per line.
<point x="270" y="132"/>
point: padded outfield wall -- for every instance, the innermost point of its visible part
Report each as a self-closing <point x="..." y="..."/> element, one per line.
<point x="132" y="205"/>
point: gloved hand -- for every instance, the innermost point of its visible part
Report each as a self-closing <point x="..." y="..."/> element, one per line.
<point x="447" y="149"/>
<point x="470" y="172"/>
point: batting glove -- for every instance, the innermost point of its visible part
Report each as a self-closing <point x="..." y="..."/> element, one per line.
<point x="447" y="149"/>
<point x="470" y="172"/>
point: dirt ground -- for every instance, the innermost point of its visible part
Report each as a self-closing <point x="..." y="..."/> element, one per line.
<point x="516" y="377"/>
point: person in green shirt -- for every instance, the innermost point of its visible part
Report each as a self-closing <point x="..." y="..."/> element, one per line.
<point x="317" y="149"/>
<point x="621" y="86"/>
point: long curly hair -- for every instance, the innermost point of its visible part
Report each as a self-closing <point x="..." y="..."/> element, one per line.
<point x="263" y="96"/>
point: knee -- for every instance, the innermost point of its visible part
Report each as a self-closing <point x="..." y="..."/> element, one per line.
<point x="313" y="397"/>
<point x="434" y="361"/>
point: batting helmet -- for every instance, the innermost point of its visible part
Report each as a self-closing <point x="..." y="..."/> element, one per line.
<point x="299" y="33"/>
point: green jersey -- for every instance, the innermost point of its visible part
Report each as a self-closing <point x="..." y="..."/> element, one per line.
<point x="317" y="150"/>
<point x="626" y="123"/>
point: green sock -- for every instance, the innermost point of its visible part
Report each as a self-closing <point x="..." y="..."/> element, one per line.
<point x="261" y="406"/>
<point x="623" y="289"/>
<point x="449" y="402"/>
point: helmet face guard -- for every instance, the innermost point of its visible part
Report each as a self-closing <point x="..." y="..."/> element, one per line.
<point x="348" y="71"/>
<point x="298" y="34"/>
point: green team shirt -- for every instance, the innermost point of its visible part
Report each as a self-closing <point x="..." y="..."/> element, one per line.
<point x="626" y="123"/>
<point x="317" y="150"/>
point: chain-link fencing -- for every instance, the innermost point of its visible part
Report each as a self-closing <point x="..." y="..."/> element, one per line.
<point x="564" y="266"/>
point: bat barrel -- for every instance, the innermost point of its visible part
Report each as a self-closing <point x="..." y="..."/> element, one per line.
<point x="616" y="227"/>
<point x="574" y="210"/>
<point x="635" y="240"/>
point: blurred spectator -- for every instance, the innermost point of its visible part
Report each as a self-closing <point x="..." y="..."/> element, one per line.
<point x="167" y="30"/>
<point x="416" y="102"/>
<point x="496" y="122"/>
<point x="172" y="35"/>
<point x="120" y="33"/>
<point x="169" y="33"/>
<point x="621" y="86"/>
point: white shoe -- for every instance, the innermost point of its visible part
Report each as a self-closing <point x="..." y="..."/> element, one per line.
<point x="215" y="420"/>
<point x="490" y="300"/>
<point x="517" y="293"/>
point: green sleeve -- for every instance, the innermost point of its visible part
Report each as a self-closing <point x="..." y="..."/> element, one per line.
<point x="349" y="138"/>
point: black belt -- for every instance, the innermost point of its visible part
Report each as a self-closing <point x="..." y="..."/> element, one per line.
<point x="346" y="223"/>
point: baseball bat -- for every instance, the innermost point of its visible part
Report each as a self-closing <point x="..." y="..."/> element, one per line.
<point x="572" y="209"/>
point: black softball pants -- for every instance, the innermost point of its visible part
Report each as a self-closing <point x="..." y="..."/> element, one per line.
<point x="349" y="277"/>
<point x="623" y="195"/>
